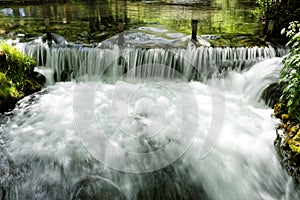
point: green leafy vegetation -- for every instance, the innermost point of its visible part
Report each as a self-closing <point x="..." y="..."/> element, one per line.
<point x="290" y="74"/>
<point x="281" y="12"/>
<point x="288" y="107"/>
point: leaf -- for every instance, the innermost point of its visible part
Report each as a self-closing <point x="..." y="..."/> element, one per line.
<point x="297" y="35"/>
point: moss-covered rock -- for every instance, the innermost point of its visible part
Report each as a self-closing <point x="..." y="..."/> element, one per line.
<point x="279" y="110"/>
<point x="7" y="90"/>
<point x="17" y="78"/>
<point x="287" y="144"/>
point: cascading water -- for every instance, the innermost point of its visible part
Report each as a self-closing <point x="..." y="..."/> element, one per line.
<point x="90" y="63"/>
<point x="94" y="139"/>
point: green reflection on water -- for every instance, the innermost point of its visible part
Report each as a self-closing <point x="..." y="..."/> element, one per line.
<point x="94" y="21"/>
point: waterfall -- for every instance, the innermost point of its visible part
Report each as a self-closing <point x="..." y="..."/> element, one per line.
<point x="202" y="63"/>
<point x="135" y="139"/>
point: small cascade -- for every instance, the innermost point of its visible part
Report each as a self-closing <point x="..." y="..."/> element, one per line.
<point x="47" y="73"/>
<point x="202" y="63"/>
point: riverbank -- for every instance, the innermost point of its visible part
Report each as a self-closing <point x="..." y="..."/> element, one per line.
<point x="287" y="143"/>
<point x="287" y="109"/>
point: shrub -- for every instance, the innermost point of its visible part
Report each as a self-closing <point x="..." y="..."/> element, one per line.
<point x="280" y="11"/>
<point x="290" y="74"/>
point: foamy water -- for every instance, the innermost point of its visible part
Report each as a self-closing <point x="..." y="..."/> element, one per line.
<point x="75" y="140"/>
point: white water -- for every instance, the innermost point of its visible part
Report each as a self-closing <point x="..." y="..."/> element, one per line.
<point x="43" y="139"/>
<point x="194" y="63"/>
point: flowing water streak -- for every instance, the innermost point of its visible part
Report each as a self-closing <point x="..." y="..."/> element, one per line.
<point x="194" y="63"/>
<point x="49" y="160"/>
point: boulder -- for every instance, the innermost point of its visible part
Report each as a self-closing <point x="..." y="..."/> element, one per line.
<point x="55" y="39"/>
<point x="272" y="93"/>
<point x="96" y="187"/>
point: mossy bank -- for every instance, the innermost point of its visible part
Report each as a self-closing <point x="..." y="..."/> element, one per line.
<point x="287" y="109"/>
<point x="17" y="77"/>
<point x="287" y="142"/>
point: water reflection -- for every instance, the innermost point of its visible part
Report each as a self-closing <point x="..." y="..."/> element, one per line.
<point x="94" y="21"/>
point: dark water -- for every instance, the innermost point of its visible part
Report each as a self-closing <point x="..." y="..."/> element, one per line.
<point x="94" y="21"/>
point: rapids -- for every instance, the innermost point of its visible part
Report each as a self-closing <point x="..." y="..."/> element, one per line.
<point x="147" y="137"/>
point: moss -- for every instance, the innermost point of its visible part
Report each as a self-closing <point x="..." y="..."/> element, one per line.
<point x="285" y="118"/>
<point x="17" y="78"/>
<point x="18" y="66"/>
<point x="279" y="109"/>
<point x="7" y="90"/>
<point x="295" y="146"/>
<point x="297" y="136"/>
<point x="290" y="128"/>
<point x="294" y="129"/>
<point x="294" y="141"/>
<point x="4" y="85"/>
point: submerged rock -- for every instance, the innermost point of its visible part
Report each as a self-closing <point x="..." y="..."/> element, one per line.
<point x="96" y="187"/>
<point x="272" y="93"/>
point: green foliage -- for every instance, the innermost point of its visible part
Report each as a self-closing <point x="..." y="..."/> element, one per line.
<point x="16" y="76"/>
<point x="281" y="12"/>
<point x="7" y="90"/>
<point x="4" y="86"/>
<point x="290" y="74"/>
<point x="19" y="66"/>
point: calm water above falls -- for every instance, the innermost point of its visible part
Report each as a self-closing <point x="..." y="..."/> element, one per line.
<point x="50" y="139"/>
<point x="94" y="21"/>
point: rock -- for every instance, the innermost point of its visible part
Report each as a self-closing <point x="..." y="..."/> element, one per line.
<point x="5" y="171"/>
<point x="64" y="76"/>
<point x="288" y="159"/>
<point x="33" y="83"/>
<point x="17" y="80"/>
<point x="294" y="129"/>
<point x="96" y="187"/>
<point x="40" y="78"/>
<point x="3" y="63"/>
<point x="1" y="194"/>
<point x="211" y="37"/>
<point x="272" y="93"/>
<point x="99" y="35"/>
<point x="7" y="105"/>
<point x="31" y="86"/>
<point x="83" y="34"/>
<point x="56" y="39"/>
<point x="279" y="110"/>
<point x="285" y="118"/>
<point x="297" y="136"/>
<point x="287" y="145"/>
